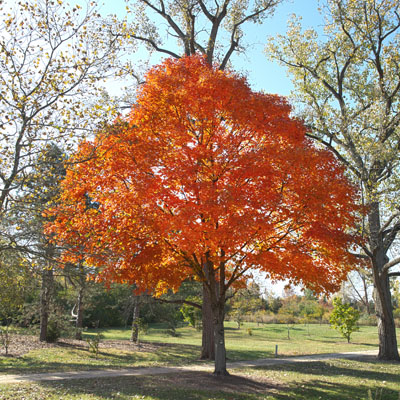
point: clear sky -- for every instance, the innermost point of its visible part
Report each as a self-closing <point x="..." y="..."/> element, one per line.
<point x="262" y="74"/>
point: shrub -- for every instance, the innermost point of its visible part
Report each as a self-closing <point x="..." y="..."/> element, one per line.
<point x="53" y="331"/>
<point x="344" y="318"/>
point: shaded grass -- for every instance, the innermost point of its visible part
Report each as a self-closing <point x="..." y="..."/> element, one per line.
<point x="329" y="379"/>
<point x="80" y="359"/>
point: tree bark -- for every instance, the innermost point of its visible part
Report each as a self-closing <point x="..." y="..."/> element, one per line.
<point x="383" y="301"/>
<point x="386" y="327"/>
<point x="207" y="342"/>
<point x="79" y="315"/>
<point x="219" y="338"/>
<point x="45" y="297"/>
<point x="135" y="319"/>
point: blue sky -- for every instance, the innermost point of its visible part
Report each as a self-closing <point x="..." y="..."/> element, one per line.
<point x="262" y="74"/>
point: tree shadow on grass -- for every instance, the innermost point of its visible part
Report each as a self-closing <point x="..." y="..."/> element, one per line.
<point x="202" y="386"/>
<point x="78" y="358"/>
<point x="188" y="386"/>
<point x="326" y="369"/>
<point x="319" y="389"/>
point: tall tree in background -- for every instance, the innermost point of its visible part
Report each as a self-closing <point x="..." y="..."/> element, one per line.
<point x="207" y="180"/>
<point x="348" y="89"/>
<point x="214" y="28"/>
<point x="40" y="188"/>
<point x="51" y="56"/>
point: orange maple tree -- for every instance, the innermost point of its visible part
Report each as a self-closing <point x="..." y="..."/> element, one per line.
<point x="210" y="180"/>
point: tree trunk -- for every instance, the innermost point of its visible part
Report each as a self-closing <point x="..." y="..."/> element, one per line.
<point x="219" y="339"/>
<point x="45" y="297"/>
<point x="79" y="315"/>
<point x="383" y="301"/>
<point x="135" y="319"/>
<point x="207" y="342"/>
<point x="386" y="328"/>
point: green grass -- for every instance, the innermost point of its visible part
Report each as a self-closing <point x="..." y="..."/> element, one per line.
<point x="240" y="345"/>
<point x="185" y="348"/>
<point x="327" y="380"/>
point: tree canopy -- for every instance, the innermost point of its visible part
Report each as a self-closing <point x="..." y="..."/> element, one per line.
<point x="205" y="168"/>
<point x="206" y="179"/>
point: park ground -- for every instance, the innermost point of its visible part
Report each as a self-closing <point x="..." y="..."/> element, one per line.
<point x="360" y="378"/>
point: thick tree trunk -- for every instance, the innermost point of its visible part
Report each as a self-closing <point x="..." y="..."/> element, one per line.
<point x="207" y="344"/>
<point x="383" y="302"/>
<point x="45" y="297"/>
<point x="135" y="319"/>
<point x="79" y="315"/>
<point x="386" y="328"/>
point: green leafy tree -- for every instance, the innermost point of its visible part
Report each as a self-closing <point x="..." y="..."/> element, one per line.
<point x="192" y="314"/>
<point x="245" y="301"/>
<point x="347" y="87"/>
<point x="344" y="318"/>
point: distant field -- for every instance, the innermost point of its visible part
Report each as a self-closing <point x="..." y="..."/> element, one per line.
<point x="261" y="343"/>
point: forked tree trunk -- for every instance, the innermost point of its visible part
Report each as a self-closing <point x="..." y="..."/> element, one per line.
<point x="207" y="343"/>
<point x="383" y="301"/>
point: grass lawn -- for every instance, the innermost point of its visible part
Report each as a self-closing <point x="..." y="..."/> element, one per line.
<point x="312" y="339"/>
<point x="327" y="380"/>
<point x="160" y="349"/>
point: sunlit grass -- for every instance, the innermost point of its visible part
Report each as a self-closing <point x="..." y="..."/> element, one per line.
<point x="312" y="339"/>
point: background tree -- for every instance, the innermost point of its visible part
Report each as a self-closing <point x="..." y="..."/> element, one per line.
<point x="246" y="301"/>
<point x="208" y="180"/>
<point x="348" y="90"/>
<point x="212" y="28"/>
<point x="38" y="191"/>
<point x="51" y="56"/>
<point x="344" y="318"/>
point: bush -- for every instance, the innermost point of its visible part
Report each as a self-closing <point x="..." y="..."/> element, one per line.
<point x="53" y="331"/>
<point x="94" y="343"/>
<point x="344" y="318"/>
<point x="367" y="320"/>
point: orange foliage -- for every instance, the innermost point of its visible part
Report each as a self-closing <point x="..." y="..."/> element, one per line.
<point x="205" y="169"/>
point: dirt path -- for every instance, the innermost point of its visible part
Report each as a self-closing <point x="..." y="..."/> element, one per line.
<point x="50" y="376"/>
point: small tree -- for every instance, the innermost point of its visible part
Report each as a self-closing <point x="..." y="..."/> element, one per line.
<point x="344" y="318"/>
<point x="192" y="314"/>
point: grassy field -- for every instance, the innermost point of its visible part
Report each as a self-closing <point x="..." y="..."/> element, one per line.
<point x="327" y="380"/>
<point x="312" y="339"/>
<point x="158" y="348"/>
